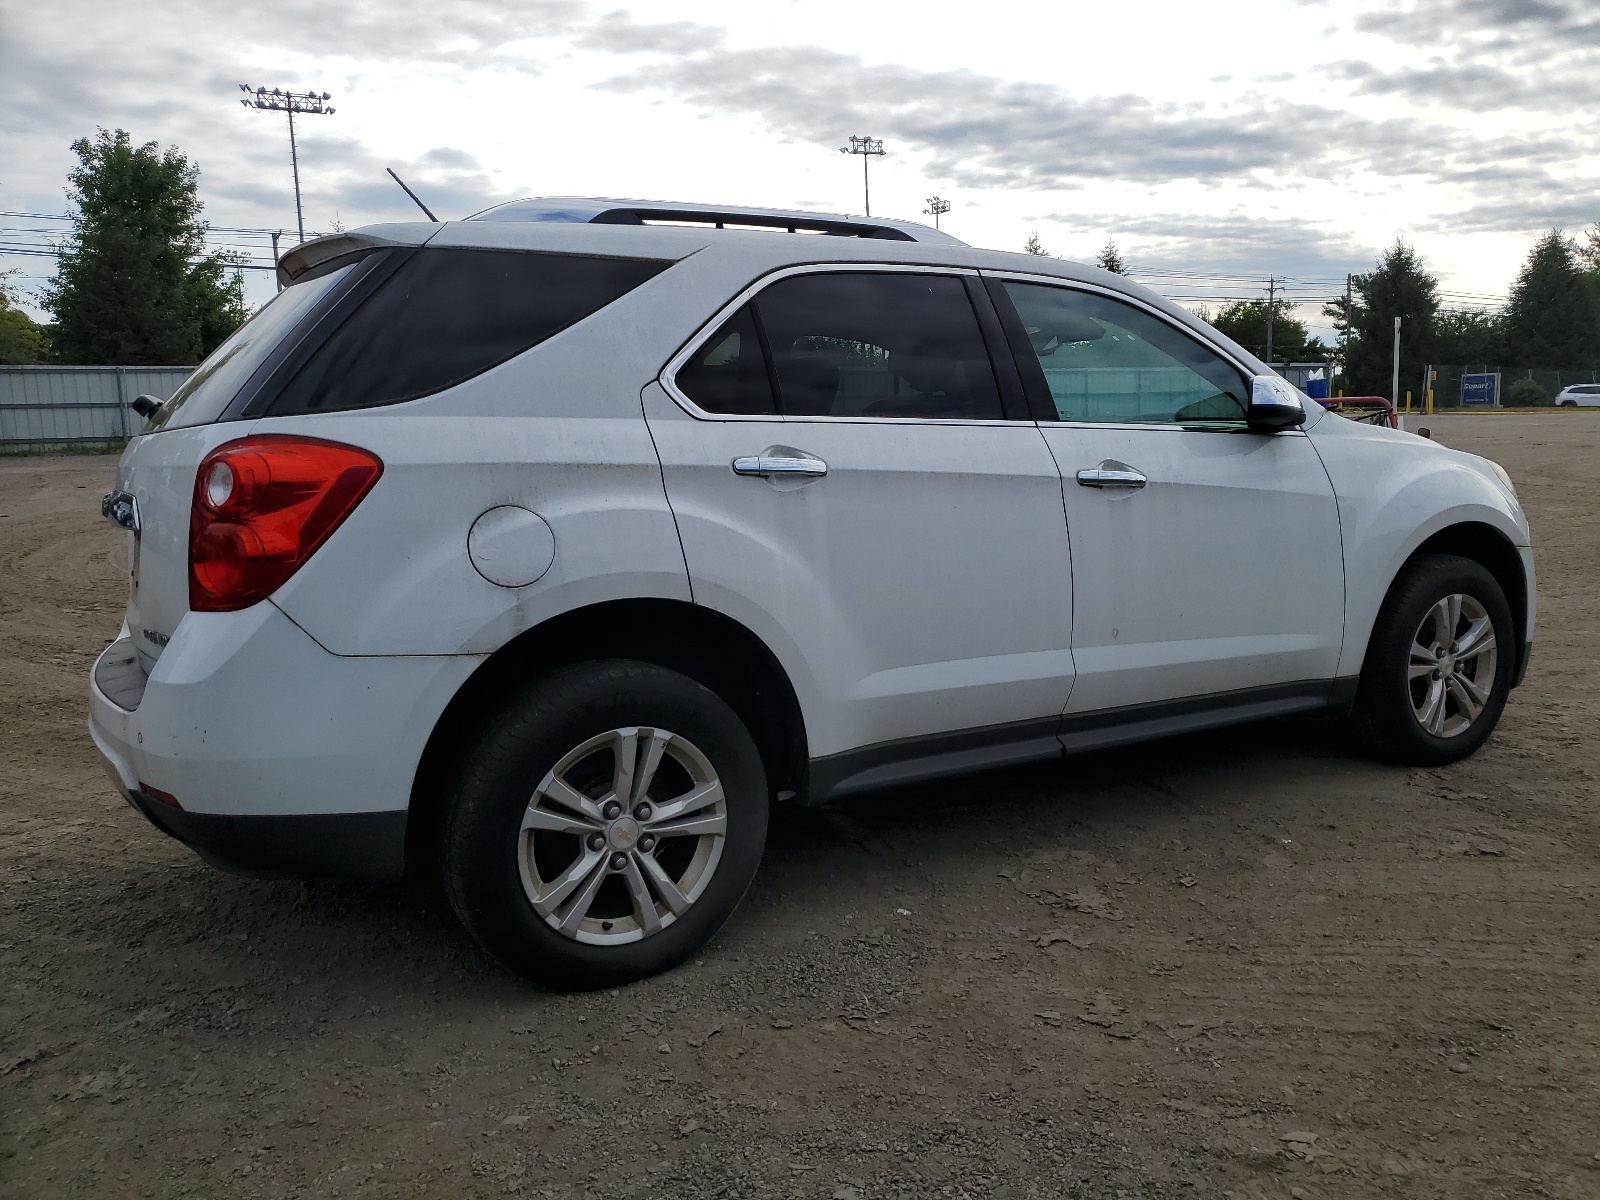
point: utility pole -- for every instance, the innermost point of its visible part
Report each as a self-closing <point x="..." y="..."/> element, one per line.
<point x="276" y="234"/>
<point x="867" y="148"/>
<point x="1394" y="383"/>
<point x="935" y="207"/>
<point x="278" y="100"/>
<point x="1272" y="292"/>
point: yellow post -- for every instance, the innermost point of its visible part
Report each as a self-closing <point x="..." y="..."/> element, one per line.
<point x="1341" y="393"/>
<point x="1430" y="402"/>
<point x="1408" y="401"/>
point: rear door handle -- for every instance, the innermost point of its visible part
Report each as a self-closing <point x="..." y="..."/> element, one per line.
<point x="1112" y="474"/>
<point x="805" y="467"/>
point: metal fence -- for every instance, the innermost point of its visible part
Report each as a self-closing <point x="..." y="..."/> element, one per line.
<point x="1447" y="379"/>
<point x="72" y="406"/>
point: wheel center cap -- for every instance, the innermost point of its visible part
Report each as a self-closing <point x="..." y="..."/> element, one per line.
<point x="623" y="834"/>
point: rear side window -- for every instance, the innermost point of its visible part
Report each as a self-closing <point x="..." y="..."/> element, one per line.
<point x="205" y="395"/>
<point x="446" y="315"/>
<point x="849" y="344"/>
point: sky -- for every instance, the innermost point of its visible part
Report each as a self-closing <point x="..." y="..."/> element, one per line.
<point x="1219" y="144"/>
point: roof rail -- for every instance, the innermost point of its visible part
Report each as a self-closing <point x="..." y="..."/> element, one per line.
<point x="598" y="211"/>
<point x="797" y="223"/>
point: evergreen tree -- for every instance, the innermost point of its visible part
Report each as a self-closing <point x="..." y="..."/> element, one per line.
<point x="1034" y="246"/>
<point x="1110" y="259"/>
<point x="135" y="285"/>
<point x="1552" y="319"/>
<point x="1398" y="287"/>
<point x="22" y="342"/>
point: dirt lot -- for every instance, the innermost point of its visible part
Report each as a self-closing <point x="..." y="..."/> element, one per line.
<point x="1246" y="964"/>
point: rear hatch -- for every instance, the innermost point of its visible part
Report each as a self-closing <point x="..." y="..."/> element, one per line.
<point x="158" y="467"/>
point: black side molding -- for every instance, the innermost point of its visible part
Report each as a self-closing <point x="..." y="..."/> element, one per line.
<point x="366" y="847"/>
<point x="913" y="760"/>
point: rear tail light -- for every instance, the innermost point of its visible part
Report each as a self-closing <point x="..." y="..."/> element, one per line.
<point x="262" y="506"/>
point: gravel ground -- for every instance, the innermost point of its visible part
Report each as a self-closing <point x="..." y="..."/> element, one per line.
<point x="1247" y="964"/>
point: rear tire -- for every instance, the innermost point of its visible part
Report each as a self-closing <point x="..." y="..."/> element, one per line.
<point x="605" y="825"/>
<point x="1439" y="665"/>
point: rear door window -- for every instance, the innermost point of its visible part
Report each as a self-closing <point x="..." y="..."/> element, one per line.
<point x="877" y="344"/>
<point x="446" y="315"/>
<point x="728" y="374"/>
<point x="849" y="344"/>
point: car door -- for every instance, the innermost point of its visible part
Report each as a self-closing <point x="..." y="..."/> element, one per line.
<point x="848" y="485"/>
<point x="1207" y="560"/>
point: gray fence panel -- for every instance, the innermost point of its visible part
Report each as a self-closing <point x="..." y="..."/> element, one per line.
<point x="59" y="405"/>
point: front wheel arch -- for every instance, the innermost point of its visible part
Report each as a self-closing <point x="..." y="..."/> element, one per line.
<point x="1490" y="549"/>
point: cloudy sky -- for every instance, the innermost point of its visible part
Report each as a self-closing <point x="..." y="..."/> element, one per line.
<point x="1218" y="143"/>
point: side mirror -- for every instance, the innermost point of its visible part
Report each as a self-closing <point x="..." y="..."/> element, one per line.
<point x="1274" y="404"/>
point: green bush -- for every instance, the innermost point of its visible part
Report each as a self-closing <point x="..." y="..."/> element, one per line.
<point x="1526" y="393"/>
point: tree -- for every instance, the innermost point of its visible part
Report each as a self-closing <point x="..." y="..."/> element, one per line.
<point x="22" y="341"/>
<point x="1552" y="319"/>
<point x="1034" y="246"/>
<point x="1589" y="251"/>
<point x="1110" y="260"/>
<point x="1464" y="336"/>
<point x="1399" y="286"/>
<point x="135" y="285"/>
<point x="1245" y="321"/>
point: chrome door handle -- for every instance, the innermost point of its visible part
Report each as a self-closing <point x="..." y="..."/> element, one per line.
<point x="809" y="468"/>
<point x="1112" y="474"/>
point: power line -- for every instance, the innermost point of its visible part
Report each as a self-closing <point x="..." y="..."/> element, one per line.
<point x="278" y="100"/>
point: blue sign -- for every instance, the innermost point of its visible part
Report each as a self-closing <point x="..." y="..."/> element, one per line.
<point x="1482" y="391"/>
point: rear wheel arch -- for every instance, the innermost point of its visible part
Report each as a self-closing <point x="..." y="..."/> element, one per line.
<point x="712" y="649"/>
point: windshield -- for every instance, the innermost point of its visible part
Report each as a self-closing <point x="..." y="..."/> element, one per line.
<point x="205" y="395"/>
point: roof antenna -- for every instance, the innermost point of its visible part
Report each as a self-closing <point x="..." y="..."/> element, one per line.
<point x="412" y="194"/>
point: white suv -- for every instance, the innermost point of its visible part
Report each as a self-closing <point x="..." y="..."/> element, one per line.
<point x="1579" y="395"/>
<point x="550" y="547"/>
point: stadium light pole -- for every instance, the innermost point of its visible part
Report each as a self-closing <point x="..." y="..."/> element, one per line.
<point x="278" y="100"/>
<point x="868" y="148"/>
<point x="936" y="207"/>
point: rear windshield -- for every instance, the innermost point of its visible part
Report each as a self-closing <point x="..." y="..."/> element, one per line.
<point x="446" y="315"/>
<point x="205" y="395"/>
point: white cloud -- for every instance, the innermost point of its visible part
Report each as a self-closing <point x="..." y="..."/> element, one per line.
<point x="1243" y="140"/>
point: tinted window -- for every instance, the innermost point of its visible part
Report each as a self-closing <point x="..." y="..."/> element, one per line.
<point x="729" y="373"/>
<point x="857" y="344"/>
<point x="205" y="395"/>
<point x="1104" y="360"/>
<point x="446" y="315"/>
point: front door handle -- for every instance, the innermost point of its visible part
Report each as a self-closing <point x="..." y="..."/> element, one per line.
<point x="784" y="467"/>
<point x="1112" y="474"/>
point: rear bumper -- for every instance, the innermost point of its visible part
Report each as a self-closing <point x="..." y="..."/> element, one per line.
<point x="369" y="847"/>
<point x="283" y="757"/>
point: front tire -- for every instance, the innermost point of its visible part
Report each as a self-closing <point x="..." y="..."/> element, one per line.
<point x="1439" y="665"/>
<point x="605" y="825"/>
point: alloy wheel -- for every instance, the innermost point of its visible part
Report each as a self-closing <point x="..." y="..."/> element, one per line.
<point x="1452" y="669"/>
<point x="622" y="836"/>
